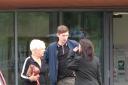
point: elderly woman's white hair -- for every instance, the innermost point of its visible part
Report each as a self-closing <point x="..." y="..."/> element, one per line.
<point x="37" y="44"/>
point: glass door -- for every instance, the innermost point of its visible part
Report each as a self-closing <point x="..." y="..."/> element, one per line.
<point x="120" y="48"/>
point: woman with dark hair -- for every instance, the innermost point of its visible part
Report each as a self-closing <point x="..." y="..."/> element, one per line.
<point x="85" y="64"/>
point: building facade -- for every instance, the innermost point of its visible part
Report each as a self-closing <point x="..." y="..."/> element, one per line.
<point x="104" y="22"/>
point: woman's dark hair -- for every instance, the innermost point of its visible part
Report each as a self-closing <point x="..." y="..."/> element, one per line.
<point x="87" y="48"/>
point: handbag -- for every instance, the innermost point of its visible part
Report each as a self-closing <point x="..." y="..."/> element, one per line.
<point x="33" y="70"/>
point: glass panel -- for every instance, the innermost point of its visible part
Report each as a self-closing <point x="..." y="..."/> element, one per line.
<point x="30" y="25"/>
<point x="43" y="25"/>
<point x="88" y="24"/>
<point x="120" y="44"/>
<point x="7" y="57"/>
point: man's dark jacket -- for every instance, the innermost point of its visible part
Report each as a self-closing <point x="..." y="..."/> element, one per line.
<point x="52" y="60"/>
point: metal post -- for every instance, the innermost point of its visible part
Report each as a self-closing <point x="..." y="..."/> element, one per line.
<point x="16" y="49"/>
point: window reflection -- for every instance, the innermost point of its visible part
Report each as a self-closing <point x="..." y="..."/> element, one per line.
<point x="85" y="24"/>
<point x="6" y="53"/>
<point x="43" y="25"/>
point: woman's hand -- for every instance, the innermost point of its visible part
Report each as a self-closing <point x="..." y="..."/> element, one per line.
<point x="34" y="77"/>
<point x="76" y="49"/>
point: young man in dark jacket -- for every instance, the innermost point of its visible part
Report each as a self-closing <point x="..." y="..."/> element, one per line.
<point x="56" y="54"/>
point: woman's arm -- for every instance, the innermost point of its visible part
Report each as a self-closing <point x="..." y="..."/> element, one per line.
<point x="72" y="61"/>
<point x="26" y="69"/>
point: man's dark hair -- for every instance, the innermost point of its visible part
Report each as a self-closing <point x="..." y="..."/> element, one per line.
<point x="62" y="29"/>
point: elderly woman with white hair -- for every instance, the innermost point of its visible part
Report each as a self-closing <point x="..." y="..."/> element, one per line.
<point x="34" y="68"/>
